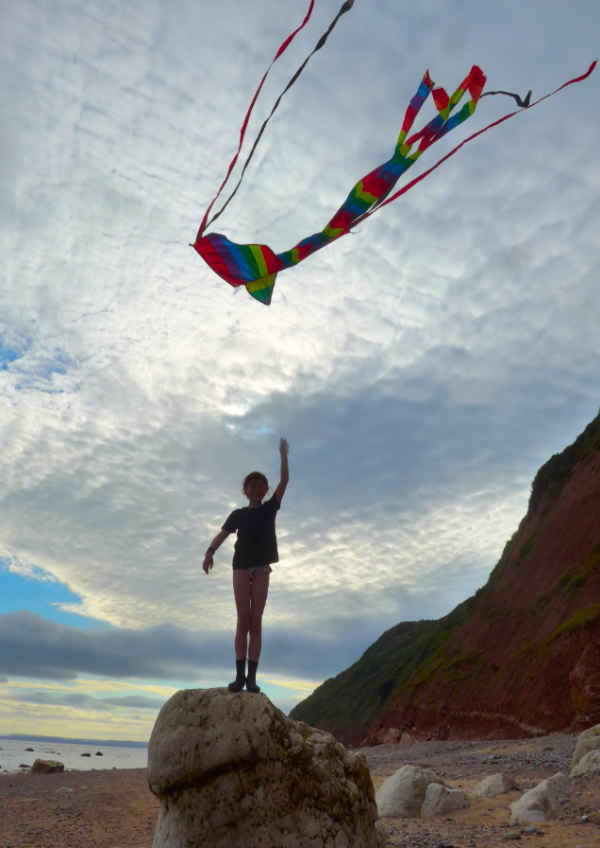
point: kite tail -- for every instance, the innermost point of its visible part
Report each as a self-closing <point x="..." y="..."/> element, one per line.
<point x="283" y="47"/>
<point x="443" y="123"/>
<point x="372" y="189"/>
<point x="408" y="186"/>
<point x="256" y="266"/>
<point x="345" y="7"/>
<point x="367" y="192"/>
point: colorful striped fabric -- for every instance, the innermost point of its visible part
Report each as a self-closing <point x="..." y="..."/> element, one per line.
<point x="256" y="266"/>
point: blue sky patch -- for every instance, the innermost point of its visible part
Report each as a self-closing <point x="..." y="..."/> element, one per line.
<point x="39" y="596"/>
<point x="8" y="354"/>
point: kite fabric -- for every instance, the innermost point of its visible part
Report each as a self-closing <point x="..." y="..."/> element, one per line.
<point x="256" y="266"/>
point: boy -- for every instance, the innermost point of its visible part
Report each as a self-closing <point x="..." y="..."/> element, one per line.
<point x="255" y="550"/>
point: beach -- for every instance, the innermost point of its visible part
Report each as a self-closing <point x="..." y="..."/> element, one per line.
<point x="115" y="809"/>
<point x="77" y="809"/>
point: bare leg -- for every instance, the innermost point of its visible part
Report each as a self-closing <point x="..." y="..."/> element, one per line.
<point x="259" y="589"/>
<point x="241" y="591"/>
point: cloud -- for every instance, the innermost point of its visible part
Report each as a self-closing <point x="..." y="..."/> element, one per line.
<point x="422" y="368"/>
<point x="85" y="701"/>
<point x="34" y="647"/>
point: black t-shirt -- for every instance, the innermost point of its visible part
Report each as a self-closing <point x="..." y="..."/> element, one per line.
<point x="256" y="543"/>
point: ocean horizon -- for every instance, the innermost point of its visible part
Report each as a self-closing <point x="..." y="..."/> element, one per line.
<point x="84" y="741"/>
<point x="18" y="752"/>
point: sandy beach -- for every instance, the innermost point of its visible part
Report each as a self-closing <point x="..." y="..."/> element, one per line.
<point x="77" y="809"/>
<point x="115" y="809"/>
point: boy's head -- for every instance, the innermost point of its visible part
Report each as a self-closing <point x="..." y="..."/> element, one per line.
<point x="255" y="482"/>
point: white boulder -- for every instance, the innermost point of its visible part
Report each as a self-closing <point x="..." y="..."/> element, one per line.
<point x="441" y="800"/>
<point x="495" y="784"/>
<point x="402" y="794"/>
<point x="588" y="764"/>
<point x="587" y="741"/>
<point x="542" y="802"/>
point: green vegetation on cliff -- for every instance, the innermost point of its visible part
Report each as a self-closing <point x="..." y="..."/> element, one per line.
<point x="403" y="656"/>
<point x="552" y="476"/>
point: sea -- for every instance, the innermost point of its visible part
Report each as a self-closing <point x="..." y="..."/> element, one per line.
<point x="19" y="753"/>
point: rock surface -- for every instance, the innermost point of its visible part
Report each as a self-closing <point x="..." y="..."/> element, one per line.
<point x="495" y="784"/>
<point x="47" y="766"/>
<point x="588" y="764"/>
<point x="587" y="741"/>
<point x="402" y="795"/>
<point x="542" y="802"/>
<point x="232" y="770"/>
<point x="441" y="800"/>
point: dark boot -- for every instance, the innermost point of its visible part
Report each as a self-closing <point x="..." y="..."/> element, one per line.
<point x="240" y="679"/>
<point x="251" y="679"/>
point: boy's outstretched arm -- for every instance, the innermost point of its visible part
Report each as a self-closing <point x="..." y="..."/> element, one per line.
<point x="285" y="474"/>
<point x="212" y="548"/>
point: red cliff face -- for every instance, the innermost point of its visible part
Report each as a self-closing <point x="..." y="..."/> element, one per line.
<point x="522" y="656"/>
<point x="527" y="659"/>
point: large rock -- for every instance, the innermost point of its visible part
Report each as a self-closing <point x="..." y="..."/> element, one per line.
<point x="47" y="766"/>
<point x="588" y="764"/>
<point x="495" y="784"/>
<point x="402" y="794"/>
<point x="232" y="771"/>
<point x="542" y="802"/>
<point x="440" y="800"/>
<point x="587" y="741"/>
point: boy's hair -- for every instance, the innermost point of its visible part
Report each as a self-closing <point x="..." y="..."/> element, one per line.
<point x="254" y="475"/>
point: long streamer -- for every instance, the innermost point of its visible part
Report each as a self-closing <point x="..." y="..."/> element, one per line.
<point x="496" y="123"/>
<point x="283" y="47"/>
<point x="345" y="7"/>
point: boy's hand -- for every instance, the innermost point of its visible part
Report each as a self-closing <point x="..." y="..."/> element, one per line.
<point x="283" y="447"/>
<point x="208" y="563"/>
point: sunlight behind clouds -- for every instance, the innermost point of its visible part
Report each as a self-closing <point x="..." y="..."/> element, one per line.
<point x="422" y="368"/>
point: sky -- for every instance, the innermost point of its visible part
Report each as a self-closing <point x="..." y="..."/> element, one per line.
<point x="422" y="369"/>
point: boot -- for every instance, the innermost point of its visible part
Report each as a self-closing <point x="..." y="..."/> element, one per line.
<point x="240" y="679"/>
<point x="251" y="679"/>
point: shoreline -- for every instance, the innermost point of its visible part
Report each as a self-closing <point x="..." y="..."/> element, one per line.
<point x="102" y="808"/>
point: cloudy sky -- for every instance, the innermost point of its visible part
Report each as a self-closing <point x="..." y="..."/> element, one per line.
<point x="422" y="369"/>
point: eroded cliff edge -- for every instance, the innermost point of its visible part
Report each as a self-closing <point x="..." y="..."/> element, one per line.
<point x="520" y="657"/>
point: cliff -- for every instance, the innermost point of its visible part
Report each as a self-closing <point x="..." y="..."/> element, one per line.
<point x="520" y="657"/>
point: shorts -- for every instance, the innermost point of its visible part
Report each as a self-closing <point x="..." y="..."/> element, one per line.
<point x="255" y="569"/>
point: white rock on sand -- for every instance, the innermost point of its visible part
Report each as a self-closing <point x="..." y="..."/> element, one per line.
<point x="441" y="800"/>
<point x="495" y="784"/>
<point x="587" y="741"/>
<point x="402" y="794"/>
<point x="588" y="764"/>
<point x="542" y="802"/>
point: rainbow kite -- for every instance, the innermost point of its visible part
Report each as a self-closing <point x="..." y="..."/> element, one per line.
<point x="256" y="266"/>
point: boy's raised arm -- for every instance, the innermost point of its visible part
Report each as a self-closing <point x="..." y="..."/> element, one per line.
<point x="284" y="475"/>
